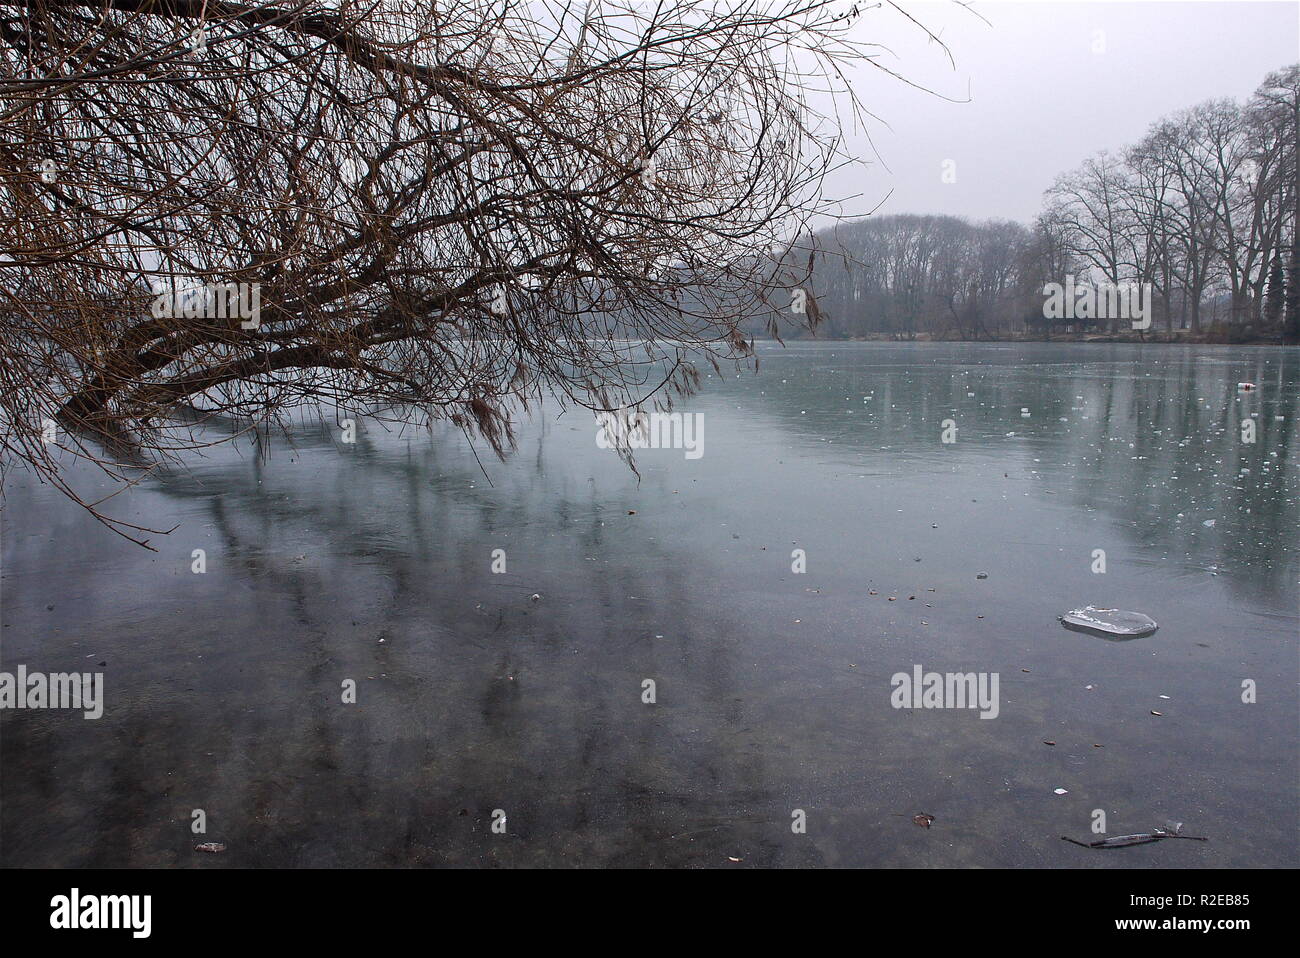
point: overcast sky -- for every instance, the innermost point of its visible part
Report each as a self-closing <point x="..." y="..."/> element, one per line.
<point x="1040" y="99"/>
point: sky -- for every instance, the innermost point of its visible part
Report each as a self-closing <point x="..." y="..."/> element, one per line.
<point x="1049" y="84"/>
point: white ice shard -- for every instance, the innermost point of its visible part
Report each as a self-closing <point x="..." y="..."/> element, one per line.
<point x="1110" y="623"/>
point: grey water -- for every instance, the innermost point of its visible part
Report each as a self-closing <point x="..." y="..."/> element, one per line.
<point x="373" y="562"/>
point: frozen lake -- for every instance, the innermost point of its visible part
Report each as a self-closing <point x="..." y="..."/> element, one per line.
<point x="372" y="562"/>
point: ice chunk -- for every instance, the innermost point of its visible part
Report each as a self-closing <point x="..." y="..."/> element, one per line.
<point x="1109" y="623"/>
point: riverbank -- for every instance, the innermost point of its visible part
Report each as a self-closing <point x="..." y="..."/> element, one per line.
<point x="1216" y="336"/>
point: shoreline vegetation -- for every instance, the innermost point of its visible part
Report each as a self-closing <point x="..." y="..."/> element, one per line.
<point x="1216" y="336"/>
<point x="1197" y="225"/>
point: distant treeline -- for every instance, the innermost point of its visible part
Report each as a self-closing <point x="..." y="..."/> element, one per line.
<point x="1203" y="209"/>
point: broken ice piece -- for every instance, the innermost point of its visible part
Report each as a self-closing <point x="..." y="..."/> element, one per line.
<point x="1113" y="624"/>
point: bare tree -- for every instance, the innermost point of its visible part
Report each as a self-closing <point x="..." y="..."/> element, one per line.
<point x="1275" y="116"/>
<point x="1090" y="206"/>
<point x="443" y="209"/>
<point x="1216" y="151"/>
<point x="1150" y="198"/>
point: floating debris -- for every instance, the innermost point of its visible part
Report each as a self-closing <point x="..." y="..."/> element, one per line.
<point x="924" y="820"/>
<point x="1111" y="624"/>
<point x="1245" y="387"/>
<point x="982" y="575"/>
<point x="1171" y="830"/>
<point x="1061" y="791"/>
<point x="211" y="847"/>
